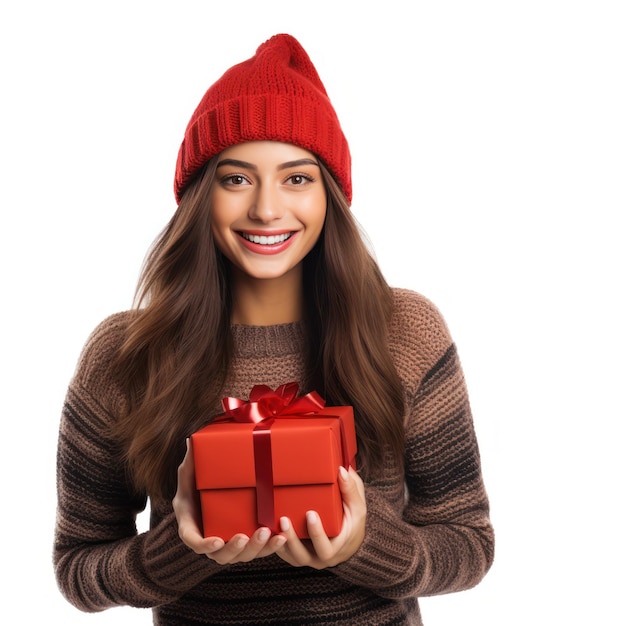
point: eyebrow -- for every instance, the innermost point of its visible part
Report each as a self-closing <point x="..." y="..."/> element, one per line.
<point x="252" y="166"/>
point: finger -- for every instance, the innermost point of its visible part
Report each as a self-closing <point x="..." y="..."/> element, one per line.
<point x="349" y="486"/>
<point x="353" y="494"/>
<point x="187" y="496"/>
<point x="255" y="545"/>
<point x="190" y="534"/>
<point x="319" y="539"/>
<point x="274" y="544"/>
<point x="261" y="544"/>
<point x="186" y="474"/>
<point x="230" y="551"/>
<point x="293" y="551"/>
<point x="354" y="475"/>
<point x="186" y="504"/>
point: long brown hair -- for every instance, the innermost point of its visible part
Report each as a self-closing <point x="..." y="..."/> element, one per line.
<point x="179" y="338"/>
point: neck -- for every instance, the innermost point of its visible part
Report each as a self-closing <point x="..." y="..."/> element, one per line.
<point x="269" y="301"/>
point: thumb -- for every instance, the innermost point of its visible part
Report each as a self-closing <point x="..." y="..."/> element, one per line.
<point x="347" y="486"/>
<point x="353" y="494"/>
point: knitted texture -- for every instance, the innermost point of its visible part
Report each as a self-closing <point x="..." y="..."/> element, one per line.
<point x="275" y="95"/>
<point x="434" y="538"/>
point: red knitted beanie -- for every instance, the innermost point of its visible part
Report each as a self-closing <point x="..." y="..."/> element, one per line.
<point x="275" y="95"/>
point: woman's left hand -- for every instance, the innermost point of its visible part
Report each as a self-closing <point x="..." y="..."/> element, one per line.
<point x="320" y="551"/>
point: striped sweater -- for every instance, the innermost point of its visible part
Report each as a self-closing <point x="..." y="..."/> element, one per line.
<point x="427" y="532"/>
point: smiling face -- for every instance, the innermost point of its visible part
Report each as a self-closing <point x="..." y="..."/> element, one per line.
<point x="268" y="208"/>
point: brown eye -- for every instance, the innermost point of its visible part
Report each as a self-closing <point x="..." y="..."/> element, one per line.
<point x="299" y="179"/>
<point x="234" y="180"/>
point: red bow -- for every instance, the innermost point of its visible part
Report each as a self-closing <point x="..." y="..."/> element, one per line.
<point x="265" y="403"/>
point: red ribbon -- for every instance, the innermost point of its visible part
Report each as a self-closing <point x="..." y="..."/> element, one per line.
<point x="266" y="403"/>
<point x="264" y="406"/>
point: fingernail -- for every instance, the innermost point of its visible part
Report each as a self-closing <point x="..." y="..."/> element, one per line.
<point x="311" y="517"/>
<point x="264" y="534"/>
<point x="343" y="472"/>
<point x="284" y="524"/>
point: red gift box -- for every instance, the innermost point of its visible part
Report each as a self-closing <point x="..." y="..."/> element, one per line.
<point x="274" y="456"/>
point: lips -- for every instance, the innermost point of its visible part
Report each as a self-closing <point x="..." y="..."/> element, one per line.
<point x="266" y="243"/>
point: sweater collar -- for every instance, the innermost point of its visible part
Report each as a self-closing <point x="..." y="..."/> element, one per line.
<point x="259" y="341"/>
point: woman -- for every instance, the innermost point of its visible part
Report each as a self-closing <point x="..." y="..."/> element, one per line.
<point x="261" y="277"/>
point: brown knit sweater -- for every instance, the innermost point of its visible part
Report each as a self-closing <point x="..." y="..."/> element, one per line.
<point x="432" y="537"/>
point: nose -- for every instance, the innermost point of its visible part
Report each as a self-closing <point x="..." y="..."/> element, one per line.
<point x="266" y="205"/>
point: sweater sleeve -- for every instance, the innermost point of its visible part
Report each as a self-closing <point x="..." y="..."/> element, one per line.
<point x="436" y="538"/>
<point x="99" y="558"/>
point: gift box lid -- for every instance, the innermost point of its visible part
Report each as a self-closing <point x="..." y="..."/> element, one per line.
<point x="305" y="449"/>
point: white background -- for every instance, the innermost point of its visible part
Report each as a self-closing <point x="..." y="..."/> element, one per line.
<point x="489" y="148"/>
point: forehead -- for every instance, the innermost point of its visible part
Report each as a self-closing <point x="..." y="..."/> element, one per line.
<point x="259" y="152"/>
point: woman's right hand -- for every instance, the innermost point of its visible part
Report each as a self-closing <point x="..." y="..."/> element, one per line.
<point x="240" y="548"/>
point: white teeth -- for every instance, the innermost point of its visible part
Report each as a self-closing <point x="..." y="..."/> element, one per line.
<point x="265" y="240"/>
